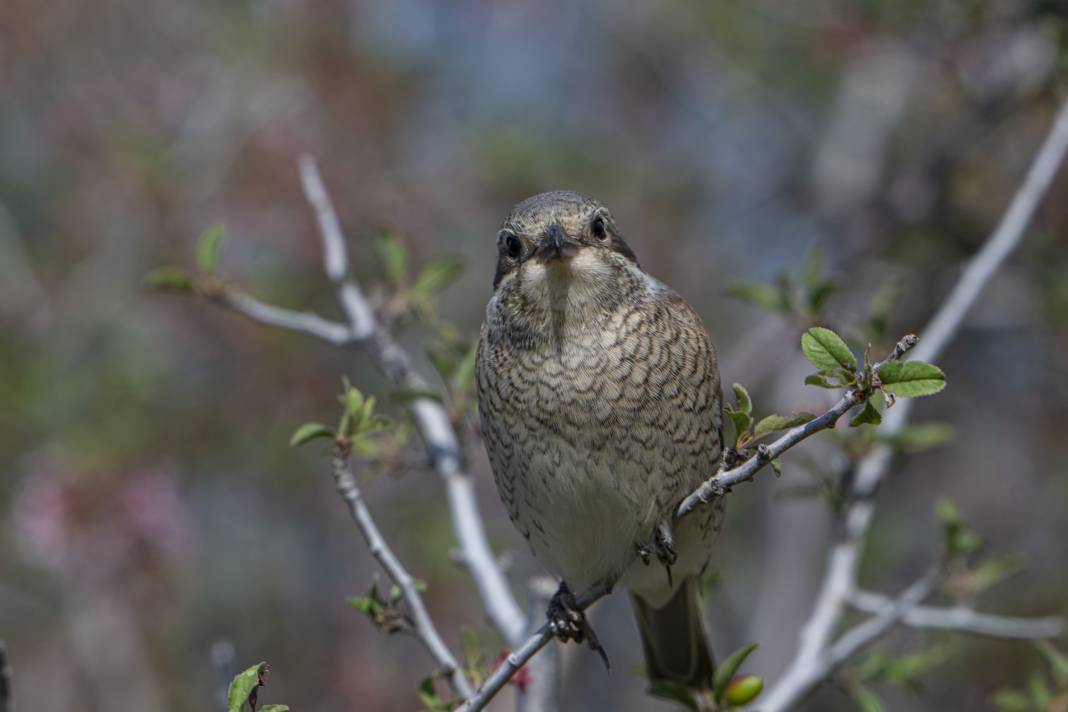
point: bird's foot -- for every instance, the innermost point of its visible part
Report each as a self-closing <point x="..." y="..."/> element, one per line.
<point x="568" y="622"/>
<point x="664" y="545"/>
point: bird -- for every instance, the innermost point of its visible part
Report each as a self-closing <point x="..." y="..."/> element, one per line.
<point x="600" y="406"/>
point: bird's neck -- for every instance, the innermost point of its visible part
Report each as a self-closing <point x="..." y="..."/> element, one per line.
<point x="559" y="304"/>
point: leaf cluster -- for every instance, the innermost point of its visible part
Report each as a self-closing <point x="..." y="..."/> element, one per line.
<point x="1046" y="690"/>
<point x="413" y="294"/>
<point x="385" y="611"/>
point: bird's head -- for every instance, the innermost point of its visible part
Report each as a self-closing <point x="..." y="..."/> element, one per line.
<point x="561" y="253"/>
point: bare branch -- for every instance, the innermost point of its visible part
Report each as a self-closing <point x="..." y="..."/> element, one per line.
<point x="843" y="560"/>
<point x="964" y="619"/>
<point x="306" y="323"/>
<point x="433" y="422"/>
<point x="423" y="626"/>
<point x="437" y="431"/>
<point x="519" y="657"/>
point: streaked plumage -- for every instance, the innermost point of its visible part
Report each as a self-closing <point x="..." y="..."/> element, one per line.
<point x="600" y="404"/>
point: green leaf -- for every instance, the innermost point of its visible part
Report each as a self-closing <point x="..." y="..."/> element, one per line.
<point x="472" y="648"/>
<point x="242" y="685"/>
<point x="729" y="667"/>
<point x="743" y="690"/>
<point x="668" y="690"/>
<point x="436" y="276"/>
<point x="818" y="297"/>
<point x="208" y="247"/>
<point x="463" y="376"/>
<point x="812" y="273"/>
<point x="826" y="350"/>
<point x="1038" y="689"/>
<point x="993" y="571"/>
<point x="353" y="401"/>
<point x="310" y="431"/>
<point x="1011" y="701"/>
<point x="368" y="605"/>
<point x="957" y="538"/>
<point x="866" y="700"/>
<point x="868" y="416"/>
<point x="817" y="379"/>
<point x="910" y="379"/>
<point x="759" y="294"/>
<point x="776" y="465"/>
<point x="741" y="423"/>
<point x="1057" y="660"/>
<point x="922" y="436"/>
<point x="394" y="259"/>
<point x="172" y="278"/>
<point x="396" y="592"/>
<point x="744" y="403"/>
<point x="781" y="422"/>
<point x="274" y="708"/>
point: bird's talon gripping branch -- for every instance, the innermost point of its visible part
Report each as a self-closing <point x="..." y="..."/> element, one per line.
<point x="568" y="622"/>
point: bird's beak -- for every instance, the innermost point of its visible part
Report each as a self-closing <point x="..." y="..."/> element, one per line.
<point x="555" y="244"/>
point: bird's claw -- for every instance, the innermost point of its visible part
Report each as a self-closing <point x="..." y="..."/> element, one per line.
<point x="568" y="622"/>
<point x="664" y="546"/>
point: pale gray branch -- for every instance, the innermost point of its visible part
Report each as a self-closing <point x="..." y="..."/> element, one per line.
<point x="964" y="619"/>
<point x="422" y="626"/>
<point x="839" y="580"/>
<point x="438" y="433"/>
<point x="519" y="657"/>
<point x="306" y="323"/>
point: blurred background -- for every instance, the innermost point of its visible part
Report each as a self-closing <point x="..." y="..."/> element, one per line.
<point x="149" y="503"/>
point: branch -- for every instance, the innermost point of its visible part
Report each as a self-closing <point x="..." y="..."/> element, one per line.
<point x="307" y="323"/>
<point x="423" y="626"/>
<point x="843" y="560"/>
<point x="519" y="657"/>
<point x="430" y="417"/>
<point x="441" y="440"/>
<point x="965" y="619"/>
<point x="723" y="480"/>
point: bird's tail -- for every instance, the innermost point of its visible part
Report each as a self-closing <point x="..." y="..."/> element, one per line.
<point x="674" y="639"/>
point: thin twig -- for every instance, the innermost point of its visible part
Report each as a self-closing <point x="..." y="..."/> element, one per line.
<point x="422" y="625"/>
<point x="841" y="570"/>
<point x="519" y="657"/>
<point x="431" y="419"/>
<point x="722" y="481"/>
<point x="716" y="486"/>
<point x="965" y="619"/>
<point x="307" y="323"/>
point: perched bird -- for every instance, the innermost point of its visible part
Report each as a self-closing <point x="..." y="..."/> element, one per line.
<point x="600" y="404"/>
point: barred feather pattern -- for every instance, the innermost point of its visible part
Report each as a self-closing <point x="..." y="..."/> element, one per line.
<point x="600" y="405"/>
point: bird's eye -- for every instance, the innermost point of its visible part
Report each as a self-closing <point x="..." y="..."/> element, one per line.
<point x="598" y="229"/>
<point x="513" y="247"/>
